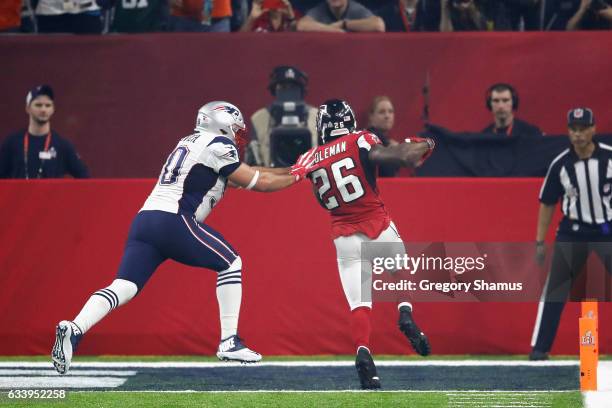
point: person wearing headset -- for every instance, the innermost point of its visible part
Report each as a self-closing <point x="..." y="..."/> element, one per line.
<point x="502" y="100"/>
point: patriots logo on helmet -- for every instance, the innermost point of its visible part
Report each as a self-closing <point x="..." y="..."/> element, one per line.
<point x="229" y="109"/>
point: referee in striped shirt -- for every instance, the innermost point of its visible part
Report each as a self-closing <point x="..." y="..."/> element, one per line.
<point x="581" y="176"/>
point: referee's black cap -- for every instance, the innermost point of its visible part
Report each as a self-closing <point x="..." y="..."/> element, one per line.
<point x="583" y="116"/>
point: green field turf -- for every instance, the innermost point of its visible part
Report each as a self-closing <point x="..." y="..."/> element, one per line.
<point x="331" y="399"/>
<point x="500" y="386"/>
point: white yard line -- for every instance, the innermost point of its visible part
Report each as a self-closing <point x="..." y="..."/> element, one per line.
<point x="597" y="399"/>
<point x="57" y="382"/>
<point x="602" y="398"/>
<point x="51" y="372"/>
<point x="220" y="364"/>
<point x="331" y="391"/>
<point x="604" y="376"/>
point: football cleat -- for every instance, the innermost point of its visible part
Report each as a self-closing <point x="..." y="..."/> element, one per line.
<point x="366" y="370"/>
<point x="67" y="338"/>
<point x="232" y="349"/>
<point x="537" y="355"/>
<point x="418" y="339"/>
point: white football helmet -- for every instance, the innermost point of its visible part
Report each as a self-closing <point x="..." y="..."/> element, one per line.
<point x="222" y="118"/>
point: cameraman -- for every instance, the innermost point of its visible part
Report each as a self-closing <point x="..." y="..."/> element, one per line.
<point x="591" y="15"/>
<point x="461" y="15"/>
<point x="287" y="84"/>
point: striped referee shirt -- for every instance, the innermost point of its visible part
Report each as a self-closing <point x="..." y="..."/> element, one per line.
<point x="584" y="184"/>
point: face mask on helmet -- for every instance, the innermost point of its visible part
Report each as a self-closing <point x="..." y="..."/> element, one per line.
<point x="223" y="118"/>
<point x="334" y="119"/>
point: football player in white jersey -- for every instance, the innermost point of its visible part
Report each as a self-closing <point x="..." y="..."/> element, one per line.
<point x="170" y="226"/>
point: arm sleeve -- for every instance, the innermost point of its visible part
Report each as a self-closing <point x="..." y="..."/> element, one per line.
<point x="366" y="140"/>
<point x="221" y="155"/>
<point x="551" y="188"/>
<point x="74" y="164"/>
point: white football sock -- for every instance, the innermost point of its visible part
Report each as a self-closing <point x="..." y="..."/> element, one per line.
<point x="405" y="304"/>
<point x="229" y="296"/>
<point x="103" y="301"/>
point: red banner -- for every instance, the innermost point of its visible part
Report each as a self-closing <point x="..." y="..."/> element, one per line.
<point x="62" y="240"/>
<point x="134" y="96"/>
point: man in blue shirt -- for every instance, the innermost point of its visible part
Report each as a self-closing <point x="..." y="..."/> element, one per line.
<point x="38" y="151"/>
<point x="340" y="16"/>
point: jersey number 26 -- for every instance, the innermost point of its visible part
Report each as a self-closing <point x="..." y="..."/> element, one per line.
<point x="347" y="187"/>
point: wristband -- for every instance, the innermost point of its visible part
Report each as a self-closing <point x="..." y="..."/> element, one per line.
<point x="539" y="243"/>
<point x="344" y="25"/>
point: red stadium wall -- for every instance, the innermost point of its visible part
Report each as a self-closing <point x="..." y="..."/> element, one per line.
<point x="125" y="100"/>
<point x="61" y="240"/>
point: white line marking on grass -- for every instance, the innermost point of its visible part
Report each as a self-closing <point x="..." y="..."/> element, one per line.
<point x="221" y="364"/>
<point x="452" y="405"/>
<point x="602" y="398"/>
<point x="604" y="376"/>
<point x="319" y="391"/>
<point x="499" y="400"/>
<point x="485" y="396"/>
<point x="60" y="382"/>
<point x="24" y="372"/>
<point x="597" y="399"/>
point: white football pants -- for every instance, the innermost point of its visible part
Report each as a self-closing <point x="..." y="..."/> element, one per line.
<point x="355" y="270"/>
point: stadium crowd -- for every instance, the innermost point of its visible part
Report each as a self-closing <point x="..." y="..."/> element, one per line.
<point x="134" y="16"/>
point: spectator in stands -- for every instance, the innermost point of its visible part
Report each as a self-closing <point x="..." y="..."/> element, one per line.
<point x="410" y="15"/>
<point x="340" y="16"/>
<point x="28" y="17"/>
<point x="556" y="14"/>
<point x="270" y="16"/>
<point x="39" y="152"/>
<point x="516" y="15"/>
<point x="69" y="16"/>
<point x="461" y="15"/>
<point x="200" y="15"/>
<point x="591" y="15"/>
<point x="10" y="18"/>
<point x="303" y="6"/>
<point x="137" y="16"/>
<point x="503" y="100"/>
<point x="381" y="118"/>
<point x="240" y="12"/>
<point x="283" y="80"/>
<point x="523" y="15"/>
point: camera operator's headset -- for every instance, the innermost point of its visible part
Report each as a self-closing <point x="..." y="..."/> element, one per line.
<point x="282" y="74"/>
<point x="502" y="86"/>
